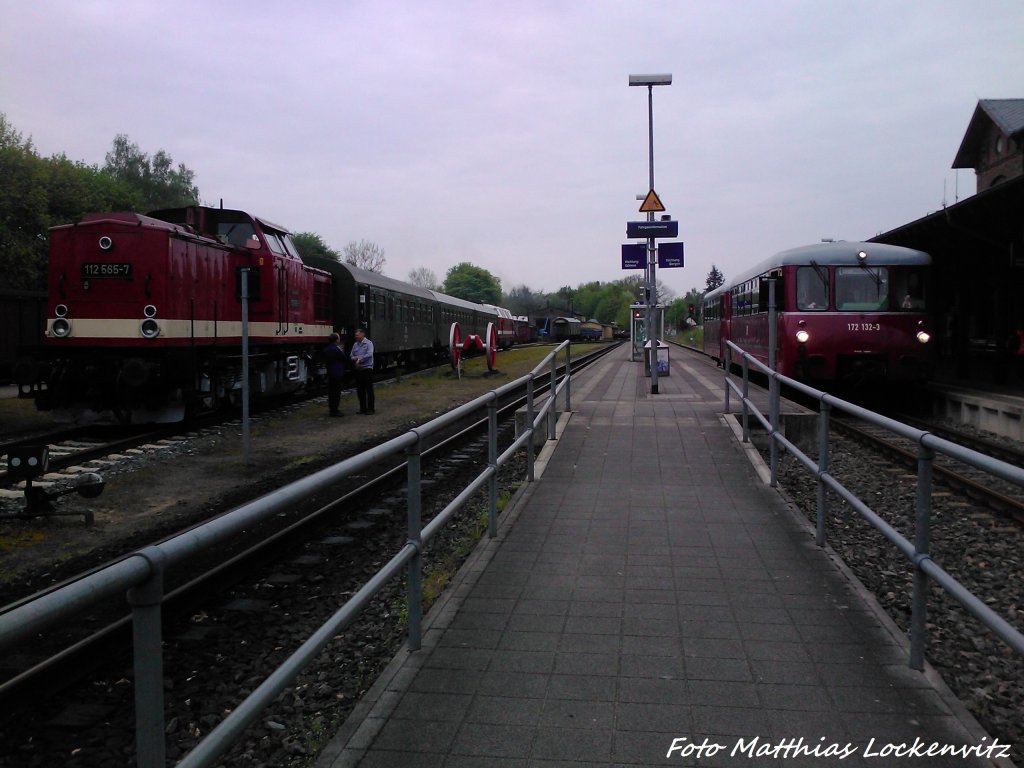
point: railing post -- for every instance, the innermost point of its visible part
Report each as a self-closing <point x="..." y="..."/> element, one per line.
<point x="529" y="426"/>
<point x="922" y="536"/>
<point x="148" y="662"/>
<point x="773" y="381"/>
<point x="414" y="571"/>
<point x="728" y="356"/>
<point x="492" y="462"/>
<point x="773" y="420"/>
<point x="746" y="394"/>
<point x="553" y="410"/>
<point x="568" y="376"/>
<point x="819" y="529"/>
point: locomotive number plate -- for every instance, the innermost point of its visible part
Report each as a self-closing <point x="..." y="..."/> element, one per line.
<point x="94" y="269"/>
<point x="863" y="326"/>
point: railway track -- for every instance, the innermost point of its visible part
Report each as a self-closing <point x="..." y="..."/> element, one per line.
<point x="1004" y="498"/>
<point x="287" y="565"/>
<point x="78" y="449"/>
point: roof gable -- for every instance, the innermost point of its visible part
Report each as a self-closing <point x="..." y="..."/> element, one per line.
<point x="1006" y="114"/>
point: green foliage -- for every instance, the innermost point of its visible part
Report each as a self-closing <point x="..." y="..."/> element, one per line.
<point x="154" y="181"/>
<point x="38" y="193"/>
<point x="523" y="300"/>
<point x="715" y="279"/>
<point x="604" y="302"/>
<point x="472" y="283"/>
<point x="311" y="244"/>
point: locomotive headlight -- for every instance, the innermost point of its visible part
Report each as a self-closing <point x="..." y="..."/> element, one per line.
<point x="149" y="310"/>
<point x="802" y="336"/>
<point x="149" y="328"/>
<point x="61" y="327"/>
<point x="61" y="310"/>
<point x="924" y="337"/>
<point x="106" y="243"/>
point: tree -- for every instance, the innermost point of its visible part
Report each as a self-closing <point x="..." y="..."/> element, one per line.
<point x="156" y="183"/>
<point x="38" y="193"/>
<point x="364" y="255"/>
<point x="424" y="278"/>
<point x="311" y="244"/>
<point x="715" y="279"/>
<point x="523" y="300"/>
<point x="472" y="283"/>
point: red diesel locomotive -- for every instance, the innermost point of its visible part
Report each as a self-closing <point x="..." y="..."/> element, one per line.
<point x="847" y="312"/>
<point x="144" y="318"/>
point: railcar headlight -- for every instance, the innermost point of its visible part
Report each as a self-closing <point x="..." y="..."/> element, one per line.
<point x="149" y="328"/>
<point x="61" y="327"/>
<point x="802" y="336"/>
<point x="924" y="337"/>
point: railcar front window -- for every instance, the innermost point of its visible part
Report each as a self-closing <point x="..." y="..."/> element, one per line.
<point x="812" y="289"/>
<point x="862" y="288"/>
<point x="909" y="289"/>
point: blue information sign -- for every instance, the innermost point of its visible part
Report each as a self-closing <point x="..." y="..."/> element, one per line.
<point x="634" y="255"/>
<point x="652" y="229"/>
<point x="670" y="255"/>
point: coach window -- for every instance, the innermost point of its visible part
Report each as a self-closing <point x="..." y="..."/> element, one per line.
<point x="812" y="288"/>
<point x="862" y="288"/>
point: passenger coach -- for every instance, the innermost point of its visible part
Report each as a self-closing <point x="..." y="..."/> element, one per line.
<point x="847" y="312"/>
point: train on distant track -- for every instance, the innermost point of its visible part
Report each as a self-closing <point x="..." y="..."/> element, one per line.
<point x="848" y="312"/>
<point x="144" y="315"/>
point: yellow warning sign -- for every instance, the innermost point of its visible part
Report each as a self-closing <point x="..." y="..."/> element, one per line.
<point x="652" y="203"/>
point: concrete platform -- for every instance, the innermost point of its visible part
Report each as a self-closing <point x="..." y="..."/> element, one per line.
<point x="650" y="601"/>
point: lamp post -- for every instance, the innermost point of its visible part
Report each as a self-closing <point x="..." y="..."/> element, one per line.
<point x="650" y="280"/>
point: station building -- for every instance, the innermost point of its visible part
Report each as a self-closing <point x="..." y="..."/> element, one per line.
<point x="977" y="247"/>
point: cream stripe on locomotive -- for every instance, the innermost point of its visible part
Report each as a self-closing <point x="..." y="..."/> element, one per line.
<point x="130" y="329"/>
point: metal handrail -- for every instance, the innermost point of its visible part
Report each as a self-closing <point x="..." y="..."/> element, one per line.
<point x="915" y="552"/>
<point x="141" y="573"/>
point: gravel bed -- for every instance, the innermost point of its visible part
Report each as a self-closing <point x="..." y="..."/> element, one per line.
<point x="982" y="551"/>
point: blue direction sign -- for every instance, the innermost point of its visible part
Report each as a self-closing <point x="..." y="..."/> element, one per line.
<point x="652" y="229"/>
<point x="634" y="255"/>
<point x="670" y="255"/>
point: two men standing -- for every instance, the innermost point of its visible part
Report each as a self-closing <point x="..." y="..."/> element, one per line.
<point x="361" y="356"/>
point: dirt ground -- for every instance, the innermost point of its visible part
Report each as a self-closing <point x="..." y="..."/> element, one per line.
<point x="205" y="475"/>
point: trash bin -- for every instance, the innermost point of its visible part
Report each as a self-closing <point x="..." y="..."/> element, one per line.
<point x="663" y="366"/>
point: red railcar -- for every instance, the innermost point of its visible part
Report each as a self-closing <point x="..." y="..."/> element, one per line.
<point x="145" y="317"/>
<point x="847" y="312"/>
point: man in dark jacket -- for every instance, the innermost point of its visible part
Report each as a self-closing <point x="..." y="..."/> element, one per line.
<point x="334" y="357"/>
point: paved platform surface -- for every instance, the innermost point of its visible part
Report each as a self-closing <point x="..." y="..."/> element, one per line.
<point x="650" y="601"/>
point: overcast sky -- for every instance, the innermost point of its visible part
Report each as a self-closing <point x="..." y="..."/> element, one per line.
<point x="505" y="134"/>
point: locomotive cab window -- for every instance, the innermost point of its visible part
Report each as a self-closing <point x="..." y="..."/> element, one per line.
<point x="909" y="288"/>
<point x="235" y="232"/>
<point x="811" y="289"/>
<point x="862" y="288"/>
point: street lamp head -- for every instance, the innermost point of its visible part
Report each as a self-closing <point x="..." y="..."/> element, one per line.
<point x="650" y="79"/>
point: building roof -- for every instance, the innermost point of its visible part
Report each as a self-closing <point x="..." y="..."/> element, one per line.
<point x="1006" y="114"/>
<point x="990" y="218"/>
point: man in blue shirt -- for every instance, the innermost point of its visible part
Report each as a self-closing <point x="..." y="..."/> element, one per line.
<point x="362" y="360"/>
